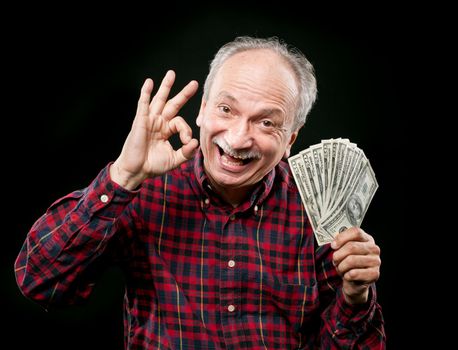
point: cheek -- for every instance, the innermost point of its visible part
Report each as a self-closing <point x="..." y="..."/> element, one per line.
<point x="274" y="146"/>
<point x="208" y="130"/>
<point x="212" y="127"/>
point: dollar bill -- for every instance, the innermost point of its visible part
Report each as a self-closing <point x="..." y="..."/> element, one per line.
<point x="336" y="183"/>
<point x="300" y="176"/>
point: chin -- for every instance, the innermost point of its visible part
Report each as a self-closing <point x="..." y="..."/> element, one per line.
<point x="228" y="181"/>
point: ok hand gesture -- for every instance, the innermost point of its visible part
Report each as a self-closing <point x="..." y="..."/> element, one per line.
<point x="147" y="151"/>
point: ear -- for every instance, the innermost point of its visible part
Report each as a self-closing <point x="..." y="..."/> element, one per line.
<point x="292" y="138"/>
<point x="201" y="112"/>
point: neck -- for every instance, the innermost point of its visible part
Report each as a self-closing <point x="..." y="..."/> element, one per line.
<point x="233" y="196"/>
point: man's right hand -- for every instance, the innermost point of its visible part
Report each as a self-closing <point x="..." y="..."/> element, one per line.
<point x="147" y="151"/>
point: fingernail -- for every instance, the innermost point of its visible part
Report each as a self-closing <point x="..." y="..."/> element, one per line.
<point x="333" y="245"/>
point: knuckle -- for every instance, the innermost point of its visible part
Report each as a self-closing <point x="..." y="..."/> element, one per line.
<point x="357" y="230"/>
<point x="377" y="261"/>
<point x="351" y="275"/>
<point x="375" y="275"/>
<point x="175" y="105"/>
<point x="376" y="249"/>
<point x="351" y="260"/>
<point x="340" y="268"/>
<point x="353" y="246"/>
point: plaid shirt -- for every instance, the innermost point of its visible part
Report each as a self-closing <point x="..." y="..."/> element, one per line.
<point x="200" y="274"/>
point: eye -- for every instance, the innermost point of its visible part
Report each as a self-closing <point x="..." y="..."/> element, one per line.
<point x="267" y="123"/>
<point x="224" y="109"/>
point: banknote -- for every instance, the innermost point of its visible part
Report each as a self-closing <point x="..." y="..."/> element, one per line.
<point x="336" y="183"/>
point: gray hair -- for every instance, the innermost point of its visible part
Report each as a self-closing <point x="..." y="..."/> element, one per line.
<point x="299" y="64"/>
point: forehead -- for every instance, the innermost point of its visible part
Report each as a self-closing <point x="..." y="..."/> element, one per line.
<point x="260" y="75"/>
<point x="260" y="64"/>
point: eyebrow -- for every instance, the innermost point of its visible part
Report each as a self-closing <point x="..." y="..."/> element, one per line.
<point x="225" y="94"/>
<point x="264" y="111"/>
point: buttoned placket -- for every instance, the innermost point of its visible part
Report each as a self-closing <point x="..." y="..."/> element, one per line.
<point x="232" y="230"/>
<point x="230" y="279"/>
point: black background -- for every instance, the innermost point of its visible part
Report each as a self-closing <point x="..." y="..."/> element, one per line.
<point x="71" y="83"/>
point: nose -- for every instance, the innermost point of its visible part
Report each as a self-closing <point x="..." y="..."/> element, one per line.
<point x="239" y="135"/>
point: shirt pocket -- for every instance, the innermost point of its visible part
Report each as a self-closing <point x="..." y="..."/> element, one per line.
<point x="297" y="303"/>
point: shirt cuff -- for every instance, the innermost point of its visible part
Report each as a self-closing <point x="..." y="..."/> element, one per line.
<point x="105" y="197"/>
<point x="356" y="316"/>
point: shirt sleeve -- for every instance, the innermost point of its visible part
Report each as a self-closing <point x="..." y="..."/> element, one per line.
<point x="346" y="326"/>
<point x="62" y="252"/>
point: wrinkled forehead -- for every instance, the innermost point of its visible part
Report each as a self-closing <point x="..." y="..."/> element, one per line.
<point x="261" y="75"/>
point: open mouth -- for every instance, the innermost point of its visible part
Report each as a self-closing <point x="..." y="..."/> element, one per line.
<point x="234" y="160"/>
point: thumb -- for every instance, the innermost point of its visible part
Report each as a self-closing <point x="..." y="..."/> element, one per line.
<point x="186" y="152"/>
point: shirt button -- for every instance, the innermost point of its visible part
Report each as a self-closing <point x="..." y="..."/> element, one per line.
<point x="231" y="308"/>
<point x="231" y="263"/>
<point x="104" y="198"/>
<point x="232" y="217"/>
<point x="207" y="201"/>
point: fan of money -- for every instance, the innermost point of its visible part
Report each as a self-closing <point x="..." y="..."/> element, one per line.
<point x="336" y="183"/>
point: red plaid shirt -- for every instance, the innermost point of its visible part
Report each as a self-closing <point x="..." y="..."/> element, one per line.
<point x="200" y="274"/>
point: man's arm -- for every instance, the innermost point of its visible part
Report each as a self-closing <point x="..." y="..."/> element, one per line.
<point x="53" y="265"/>
<point x="60" y="255"/>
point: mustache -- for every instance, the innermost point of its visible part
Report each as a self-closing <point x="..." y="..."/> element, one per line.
<point x="251" y="154"/>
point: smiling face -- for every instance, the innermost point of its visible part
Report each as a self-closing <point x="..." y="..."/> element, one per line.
<point x="246" y="123"/>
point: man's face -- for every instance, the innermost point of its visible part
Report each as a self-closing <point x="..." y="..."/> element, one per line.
<point x="246" y="123"/>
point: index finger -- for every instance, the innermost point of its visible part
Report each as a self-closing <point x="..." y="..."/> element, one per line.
<point x="160" y="98"/>
<point x="352" y="234"/>
<point x="145" y="96"/>
<point x="174" y="105"/>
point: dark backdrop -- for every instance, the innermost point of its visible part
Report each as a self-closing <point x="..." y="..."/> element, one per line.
<point x="72" y="83"/>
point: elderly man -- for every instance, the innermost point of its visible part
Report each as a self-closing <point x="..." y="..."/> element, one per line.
<point x="213" y="239"/>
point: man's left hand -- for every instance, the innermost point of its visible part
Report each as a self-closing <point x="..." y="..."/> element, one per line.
<point x="357" y="260"/>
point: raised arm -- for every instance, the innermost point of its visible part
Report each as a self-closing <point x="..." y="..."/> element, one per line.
<point x="63" y="249"/>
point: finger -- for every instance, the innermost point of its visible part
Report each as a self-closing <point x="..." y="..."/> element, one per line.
<point x="186" y="152"/>
<point x="145" y="97"/>
<point x="358" y="262"/>
<point x="366" y="276"/>
<point x="355" y="248"/>
<point x="351" y="234"/>
<point x="179" y="125"/>
<point x="160" y="99"/>
<point x="173" y="106"/>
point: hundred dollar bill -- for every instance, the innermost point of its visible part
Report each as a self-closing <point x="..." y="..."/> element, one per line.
<point x="351" y="209"/>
